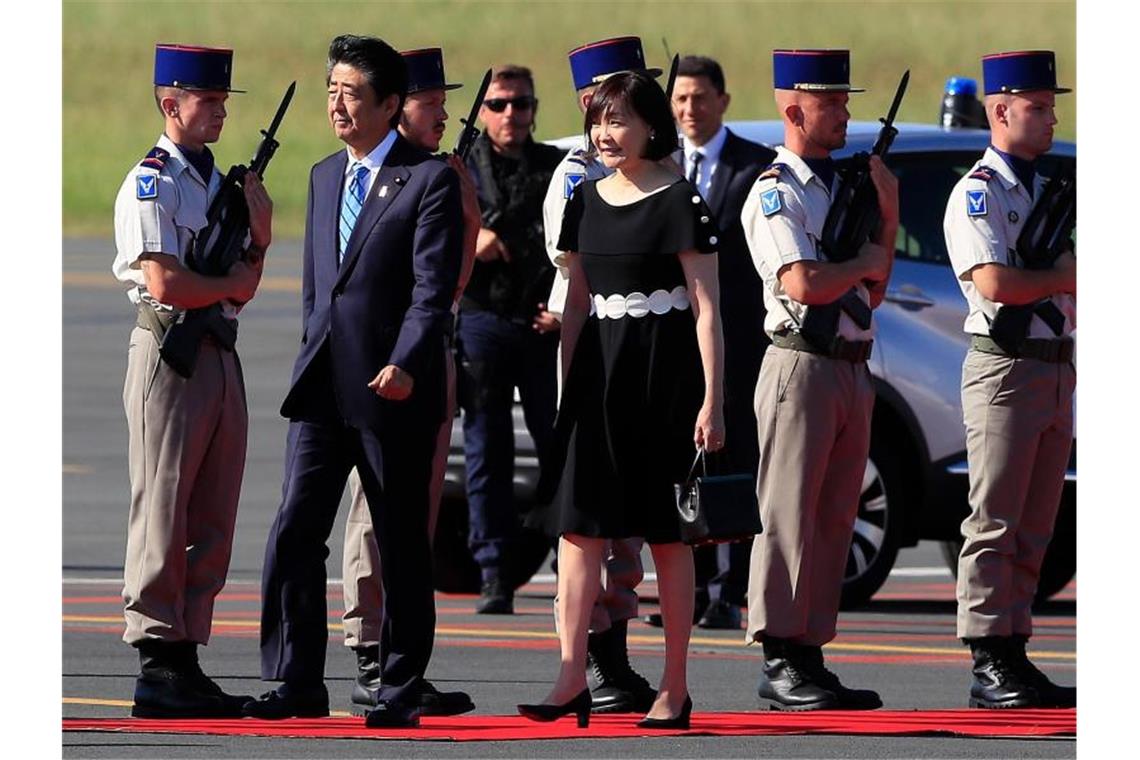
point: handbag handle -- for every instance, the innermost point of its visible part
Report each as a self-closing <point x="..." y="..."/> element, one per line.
<point x="700" y="458"/>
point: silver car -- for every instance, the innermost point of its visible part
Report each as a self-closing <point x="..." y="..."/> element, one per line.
<point x="915" y="487"/>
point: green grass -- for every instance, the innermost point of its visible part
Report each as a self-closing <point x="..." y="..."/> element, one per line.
<point x="110" y="121"/>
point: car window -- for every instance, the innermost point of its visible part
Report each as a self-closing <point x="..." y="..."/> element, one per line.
<point x="925" y="182"/>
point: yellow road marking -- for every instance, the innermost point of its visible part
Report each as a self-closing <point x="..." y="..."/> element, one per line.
<point x="77" y="469"/>
<point x="103" y="702"/>
<point x="129" y="703"/>
<point x="703" y="640"/>
<point x="107" y="281"/>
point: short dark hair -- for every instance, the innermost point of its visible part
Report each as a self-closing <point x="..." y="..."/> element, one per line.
<point x="511" y="73"/>
<point x="641" y="94"/>
<point x="380" y="64"/>
<point x="702" y="66"/>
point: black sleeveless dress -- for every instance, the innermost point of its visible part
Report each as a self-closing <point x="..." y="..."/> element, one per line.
<point x="629" y="405"/>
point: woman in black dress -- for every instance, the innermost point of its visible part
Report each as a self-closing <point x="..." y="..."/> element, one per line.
<point x="642" y="364"/>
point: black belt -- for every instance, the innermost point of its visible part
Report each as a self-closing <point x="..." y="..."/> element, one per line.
<point x="1042" y="349"/>
<point x="853" y="351"/>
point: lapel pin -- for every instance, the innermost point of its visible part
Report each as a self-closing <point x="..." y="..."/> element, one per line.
<point x="383" y="191"/>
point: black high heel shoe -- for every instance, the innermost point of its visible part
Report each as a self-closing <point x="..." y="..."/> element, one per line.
<point x="579" y="705"/>
<point x="680" y="721"/>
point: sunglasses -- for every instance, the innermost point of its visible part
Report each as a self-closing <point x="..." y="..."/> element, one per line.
<point x="521" y="103"/>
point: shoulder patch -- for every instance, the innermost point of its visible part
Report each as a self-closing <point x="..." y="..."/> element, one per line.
<point x="772" y="171"/>
<point x="770" y="201"/>
<point x="156" y="159"/>
<point x="983" y="173"/>
<point x="569" y="182"/>
<point x="976" y="203"/>
<point x="146" y="186"/>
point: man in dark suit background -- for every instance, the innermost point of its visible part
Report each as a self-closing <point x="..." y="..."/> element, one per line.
<point x="722" y="167"/>
<point x="383" y="247"/>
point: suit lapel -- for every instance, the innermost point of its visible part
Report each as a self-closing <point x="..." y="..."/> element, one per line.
<point x="332" y="184"/>
<point x="390" y="180"/>
<point x="722" y="177"/>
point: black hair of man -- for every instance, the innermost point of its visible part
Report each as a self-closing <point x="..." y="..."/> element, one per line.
<point x="513" y="73"/>
<point x="640" y="93"/>
<point x="702" y="66"/>
<point x="381" y="65"/>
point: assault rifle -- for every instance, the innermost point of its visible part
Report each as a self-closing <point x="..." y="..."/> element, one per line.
<point x="851" y="220"/>
<point x="218" y="246"/>
<point x="468" y="132"/>
<point x="1047" y="233"/>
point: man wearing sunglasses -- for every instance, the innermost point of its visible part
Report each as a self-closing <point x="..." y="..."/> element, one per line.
<point x="505" y="338"/>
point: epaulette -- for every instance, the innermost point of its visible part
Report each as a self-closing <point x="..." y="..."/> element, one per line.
<point x="772" y="171"/>
<point x="156" y="159"/>
<point x="983" y="173"/>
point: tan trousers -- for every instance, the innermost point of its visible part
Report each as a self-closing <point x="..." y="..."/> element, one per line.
<point x="1019" y="432"/>
<point x="363" y="590"/>
<point x="186" y="452"/>
<point x="814" y="419"/>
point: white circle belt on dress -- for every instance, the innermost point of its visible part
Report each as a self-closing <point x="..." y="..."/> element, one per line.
<point x="638" y="305"/>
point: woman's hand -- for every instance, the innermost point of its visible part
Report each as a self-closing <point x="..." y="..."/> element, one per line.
<point x="709" y="431"/>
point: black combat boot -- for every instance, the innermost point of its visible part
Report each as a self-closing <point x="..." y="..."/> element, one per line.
<point x="998" y="682"/>
<point x="367" y="683"/>
<point x="186" y="654"/>
<point x="787" y="681"/>
<point x="165" y="689"/>
<point x="429" y="700"/>
<point x="849" y="699"/>
<point x="495" y="598"/>
<point x="1051" y="694"/>
<point x="615" y="687"/>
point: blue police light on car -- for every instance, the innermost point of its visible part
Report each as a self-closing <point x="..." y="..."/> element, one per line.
<point x="960" y="105"/>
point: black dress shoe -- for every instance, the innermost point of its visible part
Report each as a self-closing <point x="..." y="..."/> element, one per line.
<point x="998" y="681"/>
<point x="432" y="701"/>
<point x="786" y="680"/>
<point x="849" y="699"/>
<point x="290" y="702"/>
<point x="721" y="616"/>
<point x="1051" y="694"/>
<point x="391" y="715"/>
<point x="495" y="598"/>
<point x="167" y="688"/>
<point x="681" y="720"/>
<point x="579" y="705"/>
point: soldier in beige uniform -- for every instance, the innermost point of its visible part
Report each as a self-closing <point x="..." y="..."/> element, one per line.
<point x="813" y="402"/>
<point x="187" y="436"/>
<point x="1017" y="399"/>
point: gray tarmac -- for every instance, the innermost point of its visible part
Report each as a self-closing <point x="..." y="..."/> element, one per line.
<point x="901" y="645"/>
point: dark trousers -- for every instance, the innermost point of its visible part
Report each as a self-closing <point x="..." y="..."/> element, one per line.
<point x="395" y="467"/>
<point x="495" y="356"/>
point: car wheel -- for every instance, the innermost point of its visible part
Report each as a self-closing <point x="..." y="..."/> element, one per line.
<point x="454" y="571"/>
<point x="1060" y="563"/>
<point x="874" y="542"/>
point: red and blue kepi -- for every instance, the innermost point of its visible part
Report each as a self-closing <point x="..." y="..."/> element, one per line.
<point x="813" y="70"/>
<point x="594" y="62"/>
<point x="425" y="70"/>
<point x="193" y="68"/>
<point x="1023" y="71"/>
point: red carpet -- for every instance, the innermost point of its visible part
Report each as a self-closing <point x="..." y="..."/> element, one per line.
<point x="981" y="723"/>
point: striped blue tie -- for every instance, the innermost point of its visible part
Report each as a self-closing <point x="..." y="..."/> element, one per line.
<point x="350" y="206"/>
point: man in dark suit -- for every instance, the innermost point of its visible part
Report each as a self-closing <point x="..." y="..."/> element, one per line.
<point x="383" y="246"/>
<point x="723" y="167"/>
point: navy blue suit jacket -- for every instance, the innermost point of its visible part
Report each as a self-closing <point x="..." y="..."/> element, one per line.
<point x="389" y="302"/>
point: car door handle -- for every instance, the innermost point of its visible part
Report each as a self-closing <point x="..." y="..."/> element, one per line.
<point x="909" y="295"/>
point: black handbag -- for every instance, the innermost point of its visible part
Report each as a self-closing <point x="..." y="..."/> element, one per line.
<point x="717" y="509"/>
